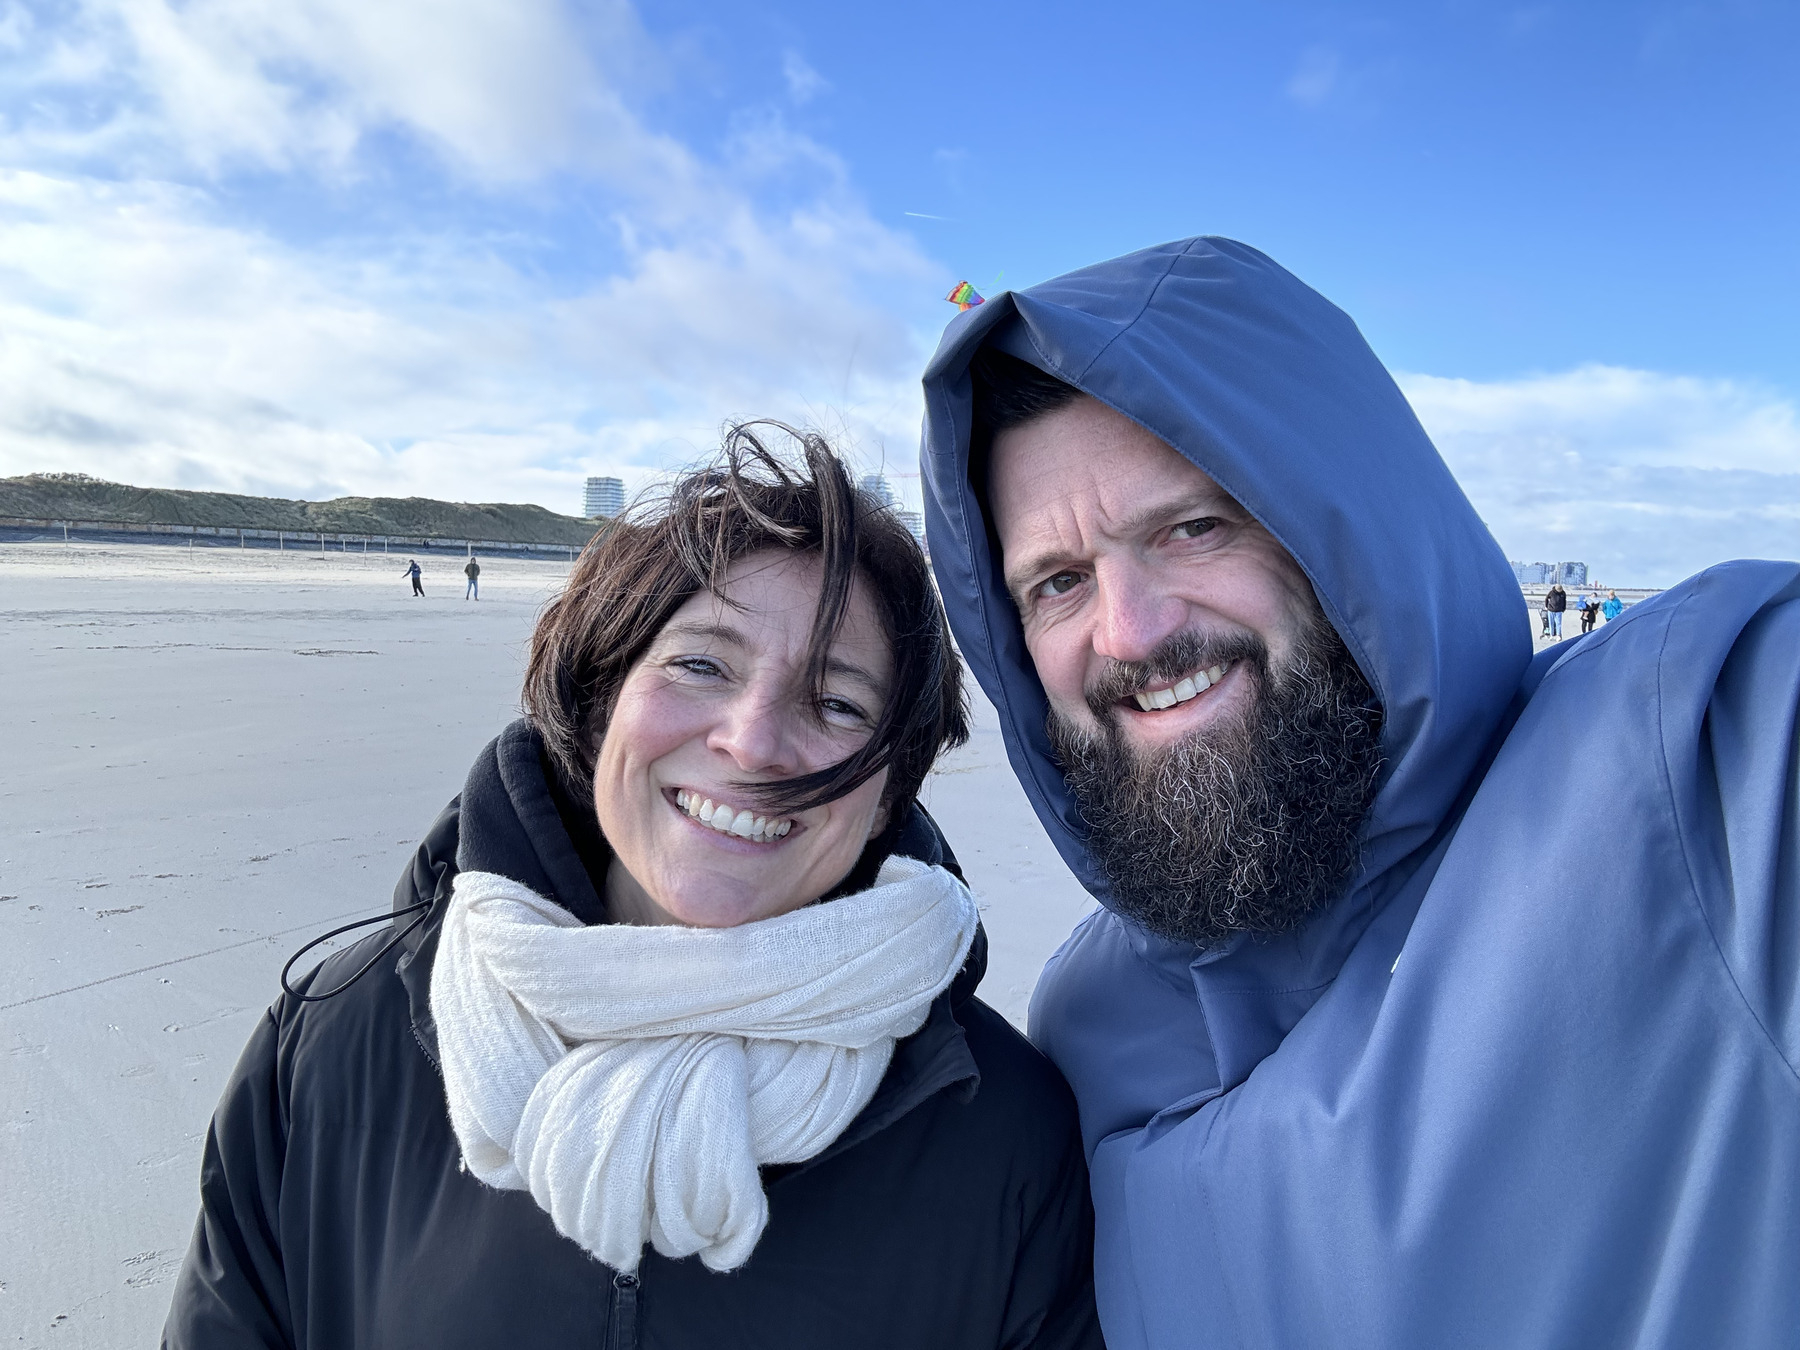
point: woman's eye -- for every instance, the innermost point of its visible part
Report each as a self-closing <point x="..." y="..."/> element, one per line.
<point x="842" y="708"/>
<point x="1193" y="529"/>
<point x="698" y="666"/>
<point x="1060" y="584"/>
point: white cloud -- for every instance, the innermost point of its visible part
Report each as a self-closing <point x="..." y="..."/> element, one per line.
<point x="15" y="25"/>
<point x="149" y="334"/>
<point x="140" y="342"/>
<point x="1647" y="477"/>
<point x="803" y="82"/>
<point x="502" y="89"/>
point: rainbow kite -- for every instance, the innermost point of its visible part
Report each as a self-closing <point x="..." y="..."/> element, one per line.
<point x="963" y="296"/>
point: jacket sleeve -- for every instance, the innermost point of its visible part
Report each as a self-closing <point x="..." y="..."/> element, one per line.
<point x="1051" y="1304"/>
<point x="232" y="1290"/>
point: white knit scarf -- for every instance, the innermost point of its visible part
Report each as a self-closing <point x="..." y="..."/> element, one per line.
<point x="634" y="1078"/>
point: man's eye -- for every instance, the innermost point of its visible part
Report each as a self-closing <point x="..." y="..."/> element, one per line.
<point x="1193" y="529"/>
<point x="1060" y="584"/>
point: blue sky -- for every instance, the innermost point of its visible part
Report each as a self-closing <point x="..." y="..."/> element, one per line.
<point x="480" y="248"/>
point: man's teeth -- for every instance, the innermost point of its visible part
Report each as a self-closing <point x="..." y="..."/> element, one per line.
<point x="744" y="824"/>
<point x="1197" y="683"/>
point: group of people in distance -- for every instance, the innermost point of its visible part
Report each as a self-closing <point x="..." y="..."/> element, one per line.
<point x="1591" y="607"/>
<point x="674" y="1036"/>
<point x="471" y="570"/>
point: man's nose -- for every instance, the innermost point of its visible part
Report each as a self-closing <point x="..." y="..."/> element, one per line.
<point x="760" y="734"/>
<point x="1134" y="614"/>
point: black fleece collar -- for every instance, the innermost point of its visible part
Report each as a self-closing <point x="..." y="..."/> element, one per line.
<point x="514" y="825"/>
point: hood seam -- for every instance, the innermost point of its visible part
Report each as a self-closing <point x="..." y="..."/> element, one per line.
<point x="1681" y="838"/>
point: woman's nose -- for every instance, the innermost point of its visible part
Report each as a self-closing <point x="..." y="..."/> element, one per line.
<point x="759" y="734"/>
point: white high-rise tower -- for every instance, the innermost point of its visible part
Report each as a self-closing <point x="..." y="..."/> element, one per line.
<point x="878" y="487"/>
<point x="604" y="497"/>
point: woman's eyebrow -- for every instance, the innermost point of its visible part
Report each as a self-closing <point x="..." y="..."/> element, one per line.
<point x="836" y="665"/>
<point x="717" y="632"/>
<point x="720" y="632"/>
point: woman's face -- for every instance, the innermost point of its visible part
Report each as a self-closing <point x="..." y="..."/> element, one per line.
<point x="720" y="698"/>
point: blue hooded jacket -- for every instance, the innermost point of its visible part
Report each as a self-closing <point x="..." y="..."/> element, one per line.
<point x="1507" y="1090"/>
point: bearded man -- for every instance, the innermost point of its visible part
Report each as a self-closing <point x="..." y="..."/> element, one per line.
<point x="1367" y="1052"/>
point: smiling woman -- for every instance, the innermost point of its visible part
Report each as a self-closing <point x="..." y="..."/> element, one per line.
<point x="696" y="976"/>
<point x="777" y="639"/>
<point x="717" y="706"/>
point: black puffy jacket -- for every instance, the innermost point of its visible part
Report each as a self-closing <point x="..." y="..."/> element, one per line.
<point x="335" y="1212"/>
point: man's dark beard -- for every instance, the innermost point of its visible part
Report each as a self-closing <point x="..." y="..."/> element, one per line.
<point x="1250" y="824"/>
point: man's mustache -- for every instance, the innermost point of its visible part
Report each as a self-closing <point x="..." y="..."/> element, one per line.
<point x="1176" y="655"/>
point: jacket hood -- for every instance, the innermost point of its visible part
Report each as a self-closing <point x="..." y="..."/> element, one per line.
<point x="1269" y="389"/>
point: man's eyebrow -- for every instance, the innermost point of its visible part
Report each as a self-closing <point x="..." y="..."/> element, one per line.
<point x="1044" y="563"/>
<point x="1189" y="506"/>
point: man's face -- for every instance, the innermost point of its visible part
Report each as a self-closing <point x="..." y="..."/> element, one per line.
<point x="1215" y="731"/>
<point x="1113" y="545"/>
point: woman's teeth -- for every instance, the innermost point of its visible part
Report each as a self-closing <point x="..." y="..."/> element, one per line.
<point x="745" y="825"/>
<point x="1197" y="683"/>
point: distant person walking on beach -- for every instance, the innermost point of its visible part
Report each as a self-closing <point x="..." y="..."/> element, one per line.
<point x="473" y="572"/>
<point x="1613" y="606"/>
<point x="1554" y="604"/>
<point x="412" y="570"/>
<point x="1590" y="613"/>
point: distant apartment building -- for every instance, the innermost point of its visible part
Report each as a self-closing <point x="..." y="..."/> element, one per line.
<point x="1542" y="574"/>
<point x="882" y="491"/>
<point x="604" y="497"/>
<point x="879" y="488"/>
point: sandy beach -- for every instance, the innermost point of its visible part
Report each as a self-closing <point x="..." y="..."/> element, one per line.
<point x="211" y="756"/>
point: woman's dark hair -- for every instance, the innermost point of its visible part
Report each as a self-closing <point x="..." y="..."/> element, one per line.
<point x="630" y="579"/>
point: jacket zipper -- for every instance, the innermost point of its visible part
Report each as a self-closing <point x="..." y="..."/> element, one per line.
<point x="624" y="1313"/>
